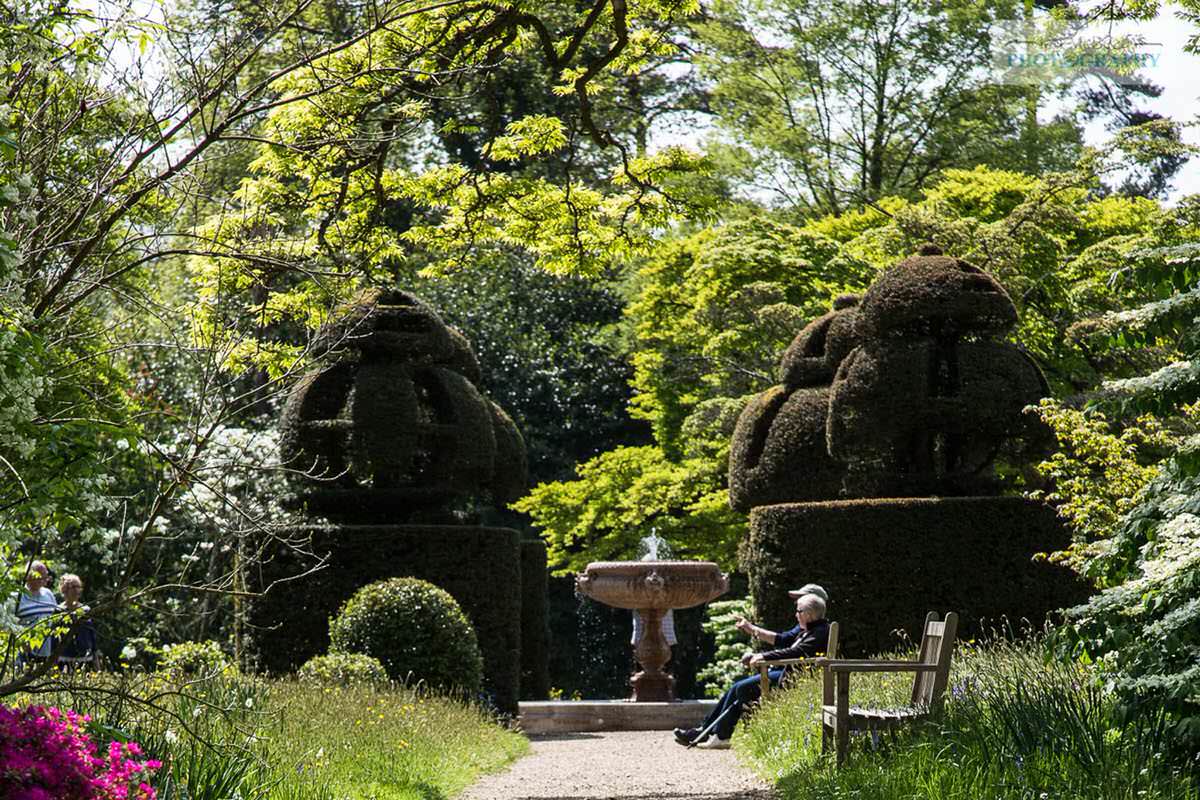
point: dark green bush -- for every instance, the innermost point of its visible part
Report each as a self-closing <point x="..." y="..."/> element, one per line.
<point x="535" y="674"/>
<point x="479" y="567"/>
<point x="416" y="630"/>
<point x="343" y="669"/>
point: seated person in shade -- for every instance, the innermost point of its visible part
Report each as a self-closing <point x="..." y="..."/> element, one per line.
<point x="810" y="637"/>
<point x="81" y="649"/>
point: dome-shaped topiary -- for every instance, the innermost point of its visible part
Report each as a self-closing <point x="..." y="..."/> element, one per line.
<point x="343" y="669"/>
<point x="192" y="660"/>
<point x="416" y="630"/>
<point x="905" y="391"/>
<point x="814" y="355"/>
<point x="778" y="453"/>
<point x="389" y="425"/>
<point x="930" y="294"/>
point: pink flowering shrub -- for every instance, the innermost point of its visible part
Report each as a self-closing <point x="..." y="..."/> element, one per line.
<point x="45" y="754"/>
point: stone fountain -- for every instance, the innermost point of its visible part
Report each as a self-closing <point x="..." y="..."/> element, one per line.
<point x="651" y="588"/>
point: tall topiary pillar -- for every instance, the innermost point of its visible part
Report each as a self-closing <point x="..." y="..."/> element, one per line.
<point x="870" y="468"/>
<point x="393" y="446"/>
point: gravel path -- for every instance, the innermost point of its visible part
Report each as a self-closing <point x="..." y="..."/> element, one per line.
<point x="621" y="765"/>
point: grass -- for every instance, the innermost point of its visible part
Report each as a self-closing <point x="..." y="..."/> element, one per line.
<point x="370" y="744"/>
<point x="1016" y="727"/>
<point x="280" y="740"/>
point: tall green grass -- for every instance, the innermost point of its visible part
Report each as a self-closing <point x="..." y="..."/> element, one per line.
<point x="1015" y="727"/>
<point x="230" y="736"/>
<point x="370" y="744"/>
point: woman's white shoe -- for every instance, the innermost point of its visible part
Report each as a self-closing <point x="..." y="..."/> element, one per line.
<point x="713" y="743"/>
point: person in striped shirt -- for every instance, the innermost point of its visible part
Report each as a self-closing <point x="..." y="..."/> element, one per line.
<point x="35" y="604"/>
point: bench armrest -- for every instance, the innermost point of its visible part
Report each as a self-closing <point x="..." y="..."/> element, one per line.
<point x="865" y="665"/>
<point x="787" y="662"/>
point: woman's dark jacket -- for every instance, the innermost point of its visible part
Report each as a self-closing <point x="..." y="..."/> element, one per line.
<point x="800" y="642"/>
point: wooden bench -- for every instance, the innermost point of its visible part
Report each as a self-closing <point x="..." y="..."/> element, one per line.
<point x="831" y="651"/>
<point x="931" y="668"/>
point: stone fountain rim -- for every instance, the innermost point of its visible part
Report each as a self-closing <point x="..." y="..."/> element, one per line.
<point x="613" y="565"/>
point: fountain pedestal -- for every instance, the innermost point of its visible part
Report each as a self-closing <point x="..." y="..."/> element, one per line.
<point x="652" y="684"/>
<point x="650" y="588"/>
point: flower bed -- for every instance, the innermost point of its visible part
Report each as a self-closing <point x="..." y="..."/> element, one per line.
<point x="47" y="754"/>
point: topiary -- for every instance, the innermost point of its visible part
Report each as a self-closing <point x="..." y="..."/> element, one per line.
<point x="343" y="669"/>
<point x="416" y="630"/>
<point x="187" y="660"/>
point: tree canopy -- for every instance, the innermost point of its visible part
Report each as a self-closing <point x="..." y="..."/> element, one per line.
<point x="710" y="315"/>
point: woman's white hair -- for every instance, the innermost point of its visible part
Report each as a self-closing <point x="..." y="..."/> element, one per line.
<point x="813" y="604"/>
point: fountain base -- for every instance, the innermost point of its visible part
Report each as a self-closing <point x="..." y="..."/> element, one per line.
<point x="652" y="688"/>
<point x="579" y="716"/>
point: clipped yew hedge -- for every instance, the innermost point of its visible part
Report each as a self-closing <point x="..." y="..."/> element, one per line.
<point x="535" y="662"/>
<point x="814" y="355"/>
<point x="480" y="568"/>
<point x="391" y="421"/>
<point x="886" y="562"/>
<point x="779" y="453"/>
<point x="930" y="294"/>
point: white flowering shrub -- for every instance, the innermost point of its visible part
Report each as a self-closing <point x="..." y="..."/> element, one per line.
<point x="238" y="486"/>
<point x="726" y="665"/>
<point x="21" y="383"/>
<point x="230" y="504"/>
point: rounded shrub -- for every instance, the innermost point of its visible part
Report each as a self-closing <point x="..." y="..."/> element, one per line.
<point x="416" y="630"/>
<point x="187" y="660"/>
<point x="343" y="669"/>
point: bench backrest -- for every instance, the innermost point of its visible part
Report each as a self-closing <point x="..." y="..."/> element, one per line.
<point x="831" y="649"/>
<point x="937" y="645"/>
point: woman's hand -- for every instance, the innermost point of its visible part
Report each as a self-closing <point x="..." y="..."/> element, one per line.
<point x="744" y="625"/>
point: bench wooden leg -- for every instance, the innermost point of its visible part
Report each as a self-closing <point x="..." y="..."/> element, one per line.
<point x="842" y="728"/>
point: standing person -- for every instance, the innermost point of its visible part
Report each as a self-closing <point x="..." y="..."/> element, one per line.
<point x="809" y="637"/>
<point x="36" y="603"/>
<point x="81" y="650"/>
<point x="668" y="628"/>
<point x="668" y="619"/>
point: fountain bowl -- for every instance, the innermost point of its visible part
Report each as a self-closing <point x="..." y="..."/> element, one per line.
<point x="651" y="588"/>
<point x="652" y="584"/>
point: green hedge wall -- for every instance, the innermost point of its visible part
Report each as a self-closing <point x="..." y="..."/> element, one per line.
<point x="886" y="562"/>
<point x="479" y="567"/>
<point x="535" y="670"/>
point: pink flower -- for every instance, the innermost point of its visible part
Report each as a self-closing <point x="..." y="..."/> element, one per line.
<point x="46" y="754"/>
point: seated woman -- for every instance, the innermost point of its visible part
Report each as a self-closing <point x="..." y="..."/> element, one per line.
<point x="80" y="650"/>
<point x="809" y="638"/>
